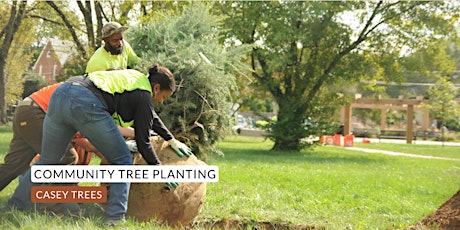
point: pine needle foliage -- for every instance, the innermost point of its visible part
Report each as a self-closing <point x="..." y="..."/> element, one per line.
<point x="188" y="44"/>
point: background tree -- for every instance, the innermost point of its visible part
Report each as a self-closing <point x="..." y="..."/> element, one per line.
<point x="85" y="27"/>
<point x="18" y="62"/>
<point x="424" y="66"/>
<point x="188" y="44"/>
<point x="415" y="71"/>
<point x="442" y="103"/>
<point x="14" y="14"/>
<point x="300" y="49"/>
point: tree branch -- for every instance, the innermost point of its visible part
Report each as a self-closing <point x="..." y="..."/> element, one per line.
<point x="99" y="15"/>
<point x="368" y="28"/>
<point x="69" y="26"/>
<point x="46" y="19"/>
<point x="12" y="26"/>
<point x="86" y="11"/>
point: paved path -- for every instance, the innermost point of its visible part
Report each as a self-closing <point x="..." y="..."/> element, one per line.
<point x="398" y="141"/>
<point x="400" y="154"/>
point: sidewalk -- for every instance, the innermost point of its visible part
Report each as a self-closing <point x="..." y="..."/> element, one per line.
<point x="372" y="140"/>
<point x="399" y="154"/>
<point x="398" y="141"/>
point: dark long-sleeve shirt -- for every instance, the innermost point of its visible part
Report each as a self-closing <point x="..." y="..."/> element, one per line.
<point x="137" y="106"/>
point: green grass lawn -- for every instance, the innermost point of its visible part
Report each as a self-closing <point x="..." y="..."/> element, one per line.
<point x="330" y="187"/>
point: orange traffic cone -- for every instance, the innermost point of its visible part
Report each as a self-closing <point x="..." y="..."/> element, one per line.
<point x="366" y="141"/>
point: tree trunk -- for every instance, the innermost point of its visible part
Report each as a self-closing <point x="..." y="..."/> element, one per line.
<point x="3" y="115"/>
<point x="17" y="13"/>
<point x="87" y="17"/>
<point x="289" y="129"/>
<point x="99" y="12"/>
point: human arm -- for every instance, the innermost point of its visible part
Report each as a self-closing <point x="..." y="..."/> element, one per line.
<point x="84" y="143"/>
<point x="179" y="148"/>
<point x="143" y="119"/>
<point x="133" y="59"/>
<point x="127" y="132"/>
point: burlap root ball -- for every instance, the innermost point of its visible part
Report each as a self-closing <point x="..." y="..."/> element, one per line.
<point x="174" y="207"/>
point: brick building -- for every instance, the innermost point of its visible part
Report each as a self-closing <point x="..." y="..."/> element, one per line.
<point x="52" y="59"/>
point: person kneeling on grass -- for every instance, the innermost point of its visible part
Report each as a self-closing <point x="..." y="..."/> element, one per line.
<point x="92" y="104"/>
<point x="27" y="137"/>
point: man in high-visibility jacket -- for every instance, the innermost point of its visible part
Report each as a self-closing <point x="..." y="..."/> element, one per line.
<point x="116" y="52"/>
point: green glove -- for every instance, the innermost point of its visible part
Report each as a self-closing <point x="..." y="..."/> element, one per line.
<point x="172" y="184"/>
<point x="180" y="148"/>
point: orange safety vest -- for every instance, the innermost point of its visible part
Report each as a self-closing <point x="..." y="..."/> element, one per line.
<point x="42" y="96"/>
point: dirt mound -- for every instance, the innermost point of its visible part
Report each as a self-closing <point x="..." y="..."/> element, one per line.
<point x="446" y="217"/>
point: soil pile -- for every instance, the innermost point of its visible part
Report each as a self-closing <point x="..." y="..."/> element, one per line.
<point x="446" y="217"/>
<point x="227" y="224"/>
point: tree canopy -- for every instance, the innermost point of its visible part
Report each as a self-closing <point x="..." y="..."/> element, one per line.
<point x="307" y="57"/>
<point x="302" y="50"/>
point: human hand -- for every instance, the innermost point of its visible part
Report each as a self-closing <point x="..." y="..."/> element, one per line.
<point x="180" y="148"/>
<point x="132" y="146"/>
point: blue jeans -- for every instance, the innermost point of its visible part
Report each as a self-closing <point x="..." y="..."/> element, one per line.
<point x="75" y="108"/>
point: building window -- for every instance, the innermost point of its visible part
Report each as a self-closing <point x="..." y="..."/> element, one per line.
<point x="48" y="54"/>
<point x="54" y="71"/>
<point x="40" y="70"/>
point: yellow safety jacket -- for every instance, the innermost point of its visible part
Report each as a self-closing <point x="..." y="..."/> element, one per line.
<point x="119" y="81"/>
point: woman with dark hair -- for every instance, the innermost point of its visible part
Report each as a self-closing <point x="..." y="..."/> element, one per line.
<point x="95" y="104"/>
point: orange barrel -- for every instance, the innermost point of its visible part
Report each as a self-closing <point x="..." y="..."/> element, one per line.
<point x="329" y="140"/>
<point x="348" y="140"/>
<point x="322" y="139"/>
<point x="337" y="140"/>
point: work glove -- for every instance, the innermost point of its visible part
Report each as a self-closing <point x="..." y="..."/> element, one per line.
<point x="132" y="146"/>
<point x="180" y="148"/>
<point x="172" y="184"/>
<point x="152" y="133"/>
